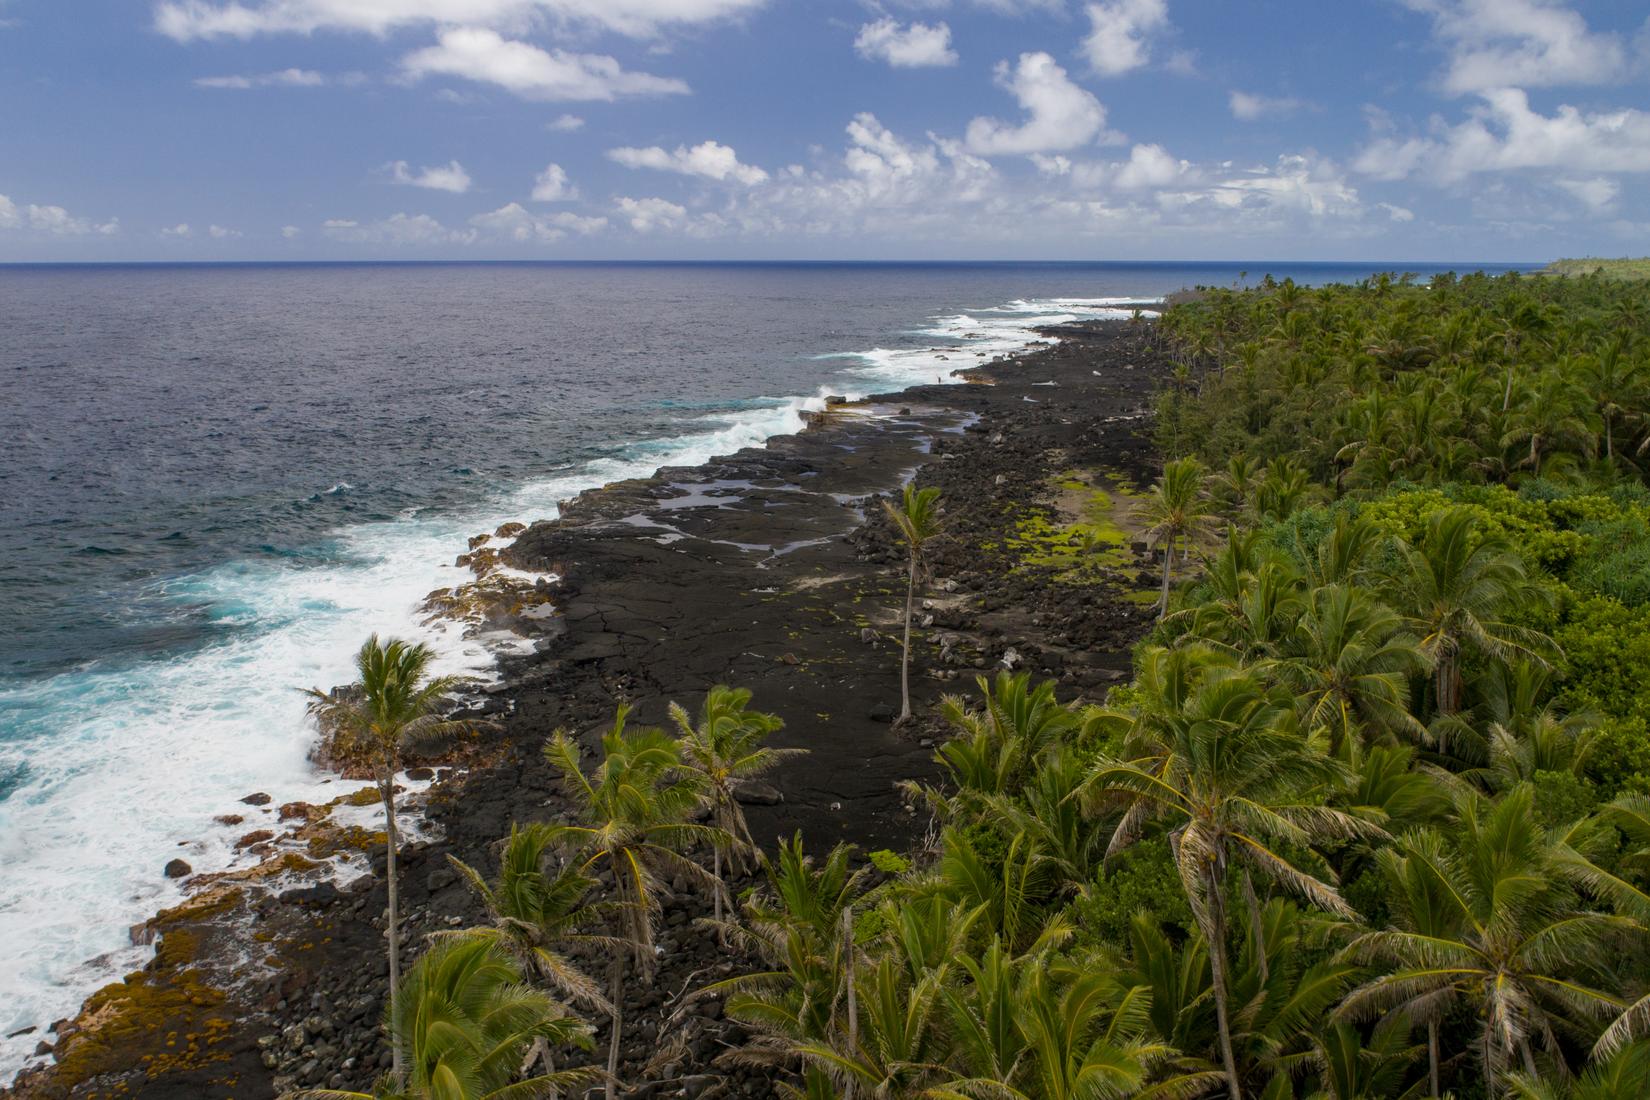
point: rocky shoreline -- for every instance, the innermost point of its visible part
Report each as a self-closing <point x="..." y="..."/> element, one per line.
<point x="770" y="569"/>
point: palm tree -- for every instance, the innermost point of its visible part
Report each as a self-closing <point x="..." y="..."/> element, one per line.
<point x="796" y="927"/>
<point x="533" y="914"/>
<point x="1528" y="732"/>
<point x="725" y="749"/>
<point x="1176" y="511"/>
<point x="1624" y="1075"/>
<point x="1453" y="589"/>
<point x="634" y="812"/>
<point x="1350" y="662"/>
<point x="1216" y="754"/>
<point x="997" y="746"/>
<point x="916" y="520"/>
<point x="1280" y="984"/>
<point x="1352" y="1068"/>
<point x="392" y="707"/>
<point x="466" y="1020"/>
<point x="1489" y="921"/>
<point x="1554" y="411"/>
<point x="1038" y="1028"/>
<point x="1630" y="813"/>
<point x="1614" y="380"/>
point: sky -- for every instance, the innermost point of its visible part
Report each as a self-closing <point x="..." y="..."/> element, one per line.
<point x="206" y="130"/>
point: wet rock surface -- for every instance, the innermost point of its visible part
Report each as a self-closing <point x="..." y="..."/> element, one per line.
<point x="772" y="569"/>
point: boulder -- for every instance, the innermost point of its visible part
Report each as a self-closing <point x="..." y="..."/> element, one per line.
<point x="177" y="868"/>
<point x="757" y="794"/>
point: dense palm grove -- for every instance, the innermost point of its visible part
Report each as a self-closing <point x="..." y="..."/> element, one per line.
<point x="1372" y="819"/>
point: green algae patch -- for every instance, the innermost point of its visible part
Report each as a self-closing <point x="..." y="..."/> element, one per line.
<point x="351" y="838"/>
<point x="1083" y="537"/>
<point x="168" y="1011"/>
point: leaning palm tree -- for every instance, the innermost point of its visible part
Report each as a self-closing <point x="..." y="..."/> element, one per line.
<point x="466" y="1020"/>
<point x="725" y="749"/>
<point x="634" y="827"/>
<point x="1216" y="753"/>
<point x="1490" y="922"/>
<point x="535" y="915"/>
<point x="916" y="520"/>
<point x="1177" y="513"/>
<point x="391" y="708"/>
<point x="1454" y="589"/>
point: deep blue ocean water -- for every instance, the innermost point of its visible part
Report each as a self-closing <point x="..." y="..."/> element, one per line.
<point x="216" y="479"/>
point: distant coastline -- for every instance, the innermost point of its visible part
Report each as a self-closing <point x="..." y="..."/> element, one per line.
<point x="1623" y="268"/>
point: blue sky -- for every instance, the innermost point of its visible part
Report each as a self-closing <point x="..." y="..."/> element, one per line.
<point x="921" y="129"/>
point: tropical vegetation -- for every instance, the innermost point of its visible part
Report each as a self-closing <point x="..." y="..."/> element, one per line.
<point x="1371" y="819"/>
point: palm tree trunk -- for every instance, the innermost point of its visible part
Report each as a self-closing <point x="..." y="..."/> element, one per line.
<point x="716" y="888"/>
<point x="392" y="841"/>
<point x="615" y="991"/>
<point x="541" y="1053"/>
<point x="1168" y="571"/>
<point x="905" y="649"/>
<point x="1447" y="682"/>
<point x="853" y="998"/>
<point x="1432" y="1058"/>
<point x="1217" y="972"/>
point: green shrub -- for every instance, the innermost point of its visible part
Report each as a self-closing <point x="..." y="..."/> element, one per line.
<point x="1141" y="878"/>
<point x="889" y="863"/>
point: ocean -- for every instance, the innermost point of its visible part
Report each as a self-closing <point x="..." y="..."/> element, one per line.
<point x="216" y="480"/>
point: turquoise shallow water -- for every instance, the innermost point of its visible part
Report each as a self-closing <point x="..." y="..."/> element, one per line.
<point x="215" y="480"/>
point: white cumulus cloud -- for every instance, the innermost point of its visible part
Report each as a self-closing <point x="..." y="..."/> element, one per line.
<point x="565" y="124"/>
<point x="647" y="215"/>
<point x="551" y="185"/>
<point x="1150" y="166"/>
<point x="1505" y="134"/>
<point x="1120" y="32"/>
<point x="709" y="159"/>
<point x="1061" y="115"/>
<point x="222" y="233"/>
<point x="514" y="222"/>
<point x="916" y="46"/>
<point x="55" y="220"/>
<point x="1520" y="43"/>
<point x="1295" y="184"/>
<point x="182" y="229"/>
<point x="485" y="56"/>
<point x="442" y="177"/>
<point x="291" y="232"/>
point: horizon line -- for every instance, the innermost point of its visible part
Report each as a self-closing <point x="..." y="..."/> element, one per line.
<point x="748" y="262"/>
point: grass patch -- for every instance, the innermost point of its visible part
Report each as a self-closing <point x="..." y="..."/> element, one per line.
<point x="1623" y="268"/>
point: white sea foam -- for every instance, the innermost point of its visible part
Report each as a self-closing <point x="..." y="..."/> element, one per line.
<point x="122" y="768"/>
